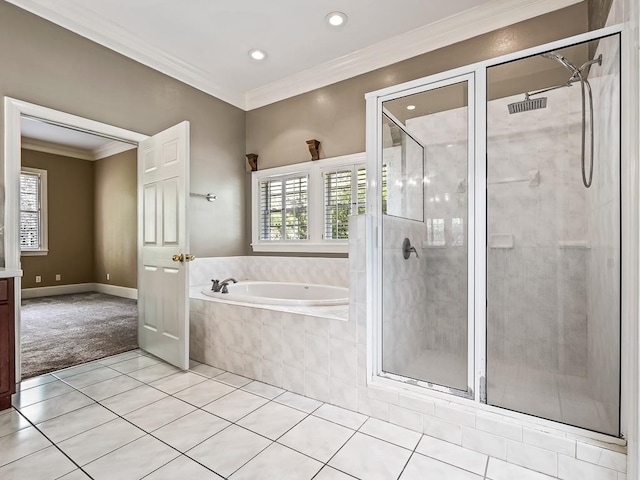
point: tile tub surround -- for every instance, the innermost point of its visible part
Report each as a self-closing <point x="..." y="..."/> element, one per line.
<point x="323" y="271"/>
<point x="232" y="427"/>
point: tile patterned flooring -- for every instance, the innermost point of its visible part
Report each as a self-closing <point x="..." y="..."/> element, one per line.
<point x="132" y="416"/>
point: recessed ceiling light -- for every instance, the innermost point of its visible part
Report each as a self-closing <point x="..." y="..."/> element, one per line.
<point x="411" y="107"/>
<point x="257" y="54"/>
<point x="336" y="19"/>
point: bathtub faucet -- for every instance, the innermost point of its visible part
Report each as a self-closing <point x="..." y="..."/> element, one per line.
<point x="221" y="286"/>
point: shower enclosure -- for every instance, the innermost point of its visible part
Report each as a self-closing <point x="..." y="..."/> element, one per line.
<point x="496" y="197"/>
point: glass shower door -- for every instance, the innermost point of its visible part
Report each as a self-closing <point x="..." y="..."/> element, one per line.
<point x="425" y="314"/>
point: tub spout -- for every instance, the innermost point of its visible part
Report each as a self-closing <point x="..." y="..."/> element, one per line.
<point x="224" y="283"/>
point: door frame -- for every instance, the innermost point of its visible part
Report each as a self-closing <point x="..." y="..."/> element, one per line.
<point x="14" y="109"/>
<point x="630" y="204"/>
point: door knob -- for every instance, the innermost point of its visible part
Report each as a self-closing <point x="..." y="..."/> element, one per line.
<point x="189" y="258"/>
<point x="178" y="258"/>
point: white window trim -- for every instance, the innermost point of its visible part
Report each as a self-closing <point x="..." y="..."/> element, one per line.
<point x="44" y="215"/>
<point x="315" y="210"/>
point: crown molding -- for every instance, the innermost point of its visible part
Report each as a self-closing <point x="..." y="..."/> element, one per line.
<point x="107" y="150"/>
<point x="56" y="149"/>
<point x="470" y="23"/>
<point x="86" y="24"/>
<point x="111" y="148"/>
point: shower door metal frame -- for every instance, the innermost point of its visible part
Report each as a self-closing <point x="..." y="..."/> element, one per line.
<point x="477" y="234"/>
<point x="374" y="205"/>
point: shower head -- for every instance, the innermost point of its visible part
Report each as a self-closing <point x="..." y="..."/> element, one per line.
<point x="527" y="104"/>
<point x="566" y="63"/>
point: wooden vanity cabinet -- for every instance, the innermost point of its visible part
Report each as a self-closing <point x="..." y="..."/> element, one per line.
<point x="7" y="343"/>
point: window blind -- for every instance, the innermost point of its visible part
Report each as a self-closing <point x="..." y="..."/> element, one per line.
<point x="337" y="203"/>
<point x="30" y="222"/>
<point x="284" y="209"/>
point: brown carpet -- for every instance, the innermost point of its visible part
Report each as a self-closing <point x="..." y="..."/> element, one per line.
<point x="66" y="330"/>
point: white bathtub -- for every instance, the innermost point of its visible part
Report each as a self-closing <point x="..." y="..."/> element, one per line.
<point x="282" y="293"/>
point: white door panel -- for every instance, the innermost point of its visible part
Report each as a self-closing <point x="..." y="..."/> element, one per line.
<point x="163" y="289"/>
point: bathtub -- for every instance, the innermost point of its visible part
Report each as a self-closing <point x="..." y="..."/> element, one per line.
<point x="282" y="293"/>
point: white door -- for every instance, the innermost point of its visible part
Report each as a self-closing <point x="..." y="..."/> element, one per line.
<point x="163" y="273"/>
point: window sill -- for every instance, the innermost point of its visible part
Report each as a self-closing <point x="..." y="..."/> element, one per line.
<point x="337" y="247"/>
<point x="34" y="253"/>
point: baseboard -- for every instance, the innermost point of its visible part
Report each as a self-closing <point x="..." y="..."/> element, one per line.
<point x="57" y="290"/>
<point x="124" y="292"/>
<point x="115" y="290"/>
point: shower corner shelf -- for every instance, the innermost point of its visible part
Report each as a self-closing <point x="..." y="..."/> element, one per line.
<point x="533" y="177"/>
<point x="575" y="244"/>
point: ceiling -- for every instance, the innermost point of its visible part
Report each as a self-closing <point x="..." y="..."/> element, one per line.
<point x="205" y="43"/>
<point x="46" y="137"/>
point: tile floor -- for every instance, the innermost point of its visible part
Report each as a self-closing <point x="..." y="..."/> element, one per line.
<point x="132" y="416"/>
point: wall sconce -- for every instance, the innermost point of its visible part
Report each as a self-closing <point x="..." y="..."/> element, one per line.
<point x="314" y="148"/>
<point x="252" y="158"/>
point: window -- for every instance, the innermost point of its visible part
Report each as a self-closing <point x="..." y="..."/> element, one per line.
<point x="33" y="211"/>
<point x="305" y="207"/>
<point x="284" y="209"/>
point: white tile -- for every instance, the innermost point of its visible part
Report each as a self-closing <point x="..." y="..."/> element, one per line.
<point x="76" y="475"/>
<point x="406" y="418"/>
<point x="185" y="468"/>
<point x="235" y="405"/>
<point x="316" y="386"/>
<point x="121" y="357"/>
<point x="11" y="421"/>
<point x="190" y="430"/>
<point x="78" y="421"/>
<point x="157" y="414"/>
<point x="419" y="465"/>
<point x="382" y="394"/>
<point x="94" y="443"/>
<point x="207" y="370"/>
<point x="343" y="360"/>
<point x="484" y="442"/>
<point x="154" y="372"/>
<point x="68" y="372"/>
<point x="39" y="393"/>
<point x="453" y="454"/>
<point x="28" y="383"/>
<point x="228" y="450"/>
<point x="343" y="394"/>
<point x="499" y="427"/>
<point x="341" y="416"/>
<point x="501" y="470"/>
<point x="603" y="457"/>
<point x="293" y="379"/>
<point x="205" y="392"/>
<point x="455" y="415"/>
<point x="316" y="354"/>
<point x="572" y="469"/>
<point x="328" y="473"/>
<point x="299" y="402"/>
<point x="278" y="463"/>
<point x="134" y="399"/>
<point x="391" y="433"/>
<point x="549" y="441"/>
<point x="370" y="458"/>
<point x="46" y="464"/>
<point x="21" y="443"/>
<point x="442" y="429"/>
<point x="233" y="379"/>
<point x="317" y="438"/>
<point x="111" y="387"/>
<point x="262" y="389"/>
<point x="272" y="420"/>
<point x="133" y="364"/>
<point x="54" y="407"/>
<point x="534" y="458"/>
<point x="92" y="376"/>
<point x="178" y="381"/>
<point x="417" y="403"/>
<point x="135" y="460"/>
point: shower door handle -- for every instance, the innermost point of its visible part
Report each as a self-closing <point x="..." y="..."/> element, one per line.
<point x="407" y="249"/>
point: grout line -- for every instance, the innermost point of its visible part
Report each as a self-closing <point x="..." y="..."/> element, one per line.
<point x="486" y="467"/>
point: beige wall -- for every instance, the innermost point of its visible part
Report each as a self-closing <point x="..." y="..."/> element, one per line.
<point x="50" y="66"/>
<point x="70" y="221"/>
<point x="115" y="219"/>
<point x="335" y="114"/>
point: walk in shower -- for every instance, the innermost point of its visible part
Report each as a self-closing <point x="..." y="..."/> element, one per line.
<point x="496" y="273"/>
